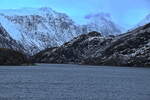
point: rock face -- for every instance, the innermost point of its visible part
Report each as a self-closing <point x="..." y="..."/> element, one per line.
<point x="74" y="51"/>
<point x="129" y="49"/>
<point x="38" y="29"/>
<point x="11" y="57"/>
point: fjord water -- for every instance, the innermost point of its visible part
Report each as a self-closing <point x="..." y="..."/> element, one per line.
<point x="74" y="82"/>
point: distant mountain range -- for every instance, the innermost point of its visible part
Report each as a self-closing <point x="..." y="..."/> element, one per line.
<point x="45" y="36"/>
<point x="33" y="30"/>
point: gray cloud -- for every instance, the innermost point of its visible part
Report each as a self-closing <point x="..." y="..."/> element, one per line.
<point x="89" y="16"/>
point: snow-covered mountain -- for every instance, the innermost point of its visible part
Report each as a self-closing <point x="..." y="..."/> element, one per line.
<point x="128" y="49"/>
<point x="37" y="29"/>
<point x="103" y="23"/>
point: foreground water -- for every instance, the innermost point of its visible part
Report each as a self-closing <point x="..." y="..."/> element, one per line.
<point x="74" y="82"/>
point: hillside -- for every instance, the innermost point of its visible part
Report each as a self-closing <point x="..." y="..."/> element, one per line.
<point x="128" y="49"/>
<point x="11" y="57"/>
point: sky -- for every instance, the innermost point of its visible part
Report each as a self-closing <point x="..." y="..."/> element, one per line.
<point x="126" y="13"/>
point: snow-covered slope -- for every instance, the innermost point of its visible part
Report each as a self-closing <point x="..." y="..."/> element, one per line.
<point x="7" y="42"/>
<point x="37" y="29"/>
<point x="11" y="28"/>
<point x="102" y="22"/>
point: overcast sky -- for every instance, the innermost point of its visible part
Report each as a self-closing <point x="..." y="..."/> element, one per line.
<point x="125" y="12"/>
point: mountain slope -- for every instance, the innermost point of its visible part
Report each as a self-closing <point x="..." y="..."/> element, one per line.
<point x="129" y="49"/>
<point x="11" y="52"/>
<point x="74" y="51"/>
<point x="103" y="23"/>
<point x="7" y="42"/>
<point x="38" y="29"/>
<point x="11" y="57"/>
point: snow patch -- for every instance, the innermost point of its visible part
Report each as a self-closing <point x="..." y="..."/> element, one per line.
<point x="10" y="28"/>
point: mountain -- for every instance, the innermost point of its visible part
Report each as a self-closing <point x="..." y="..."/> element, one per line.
<point x="74" y="51"/>
<point x="103" y="23"/>
<point x="128" y="49"/>
<point x="38" y="29"/>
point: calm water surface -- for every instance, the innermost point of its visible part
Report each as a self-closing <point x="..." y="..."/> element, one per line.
<point x="74" y="82"/>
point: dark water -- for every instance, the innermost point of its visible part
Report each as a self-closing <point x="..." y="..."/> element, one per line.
<point x="74" y="82"/>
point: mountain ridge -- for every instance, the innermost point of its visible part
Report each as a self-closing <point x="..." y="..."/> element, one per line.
<point x="42" y="28"/>
<point x="128" y="49"/>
